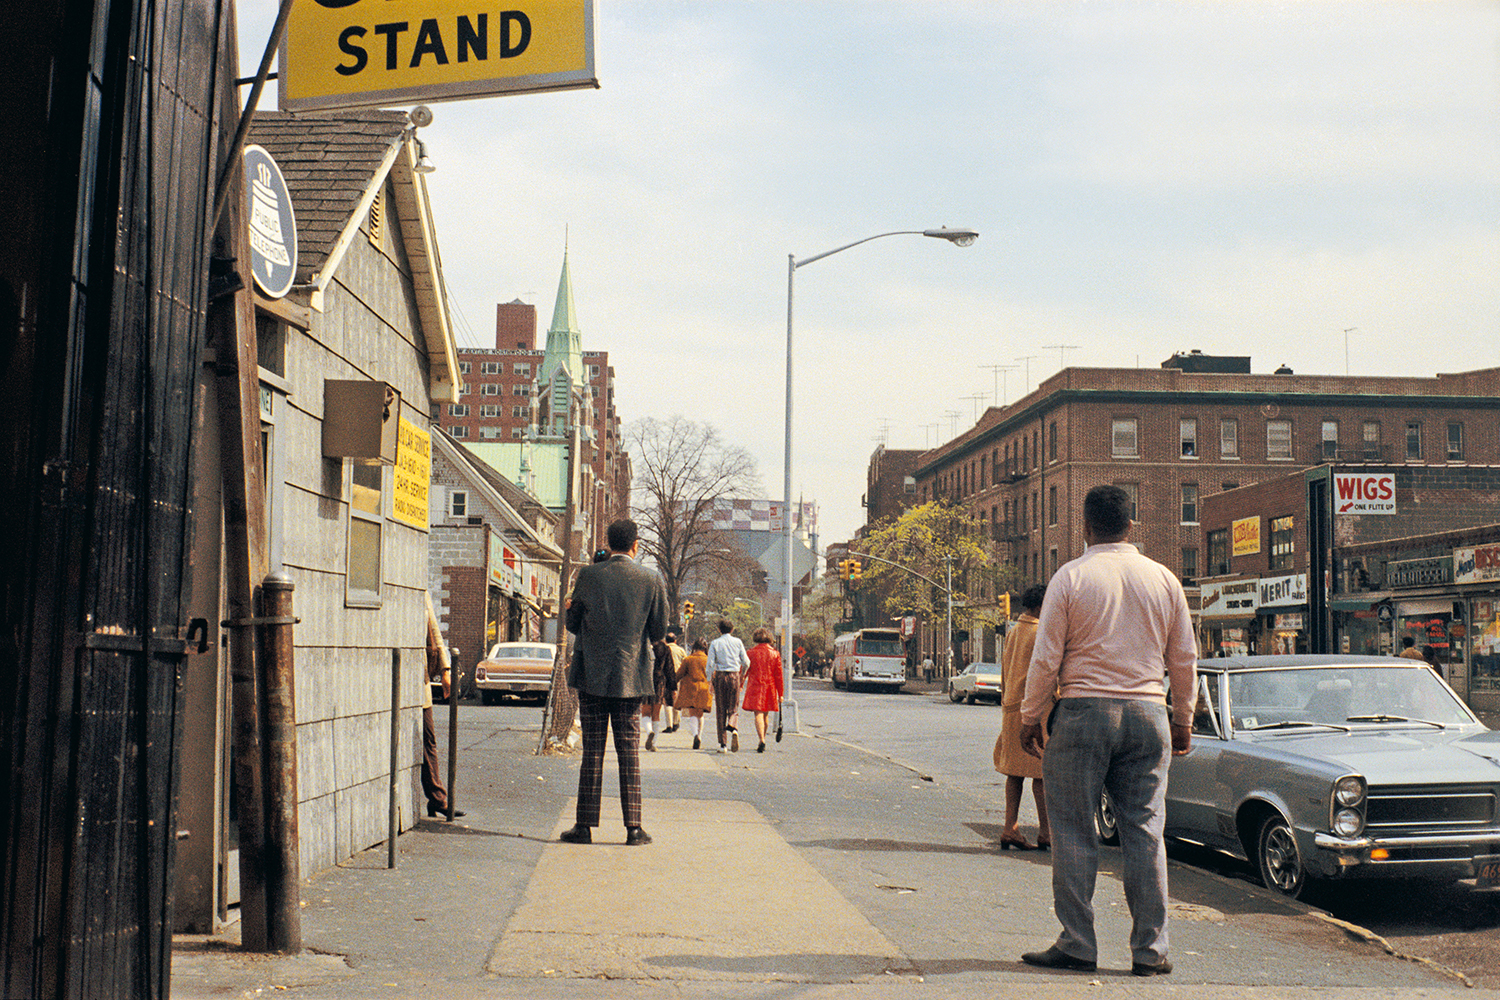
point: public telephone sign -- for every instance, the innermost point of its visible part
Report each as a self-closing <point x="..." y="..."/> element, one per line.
<point x="374" y="53"/>
<point x="1364" y="493"/>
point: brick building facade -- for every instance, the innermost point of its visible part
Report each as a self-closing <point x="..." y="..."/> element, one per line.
<point x="890" y="487"/>
<point x="1173" y="437"/>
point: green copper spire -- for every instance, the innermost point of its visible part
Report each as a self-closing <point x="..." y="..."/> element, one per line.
<point x="564" y="342"/>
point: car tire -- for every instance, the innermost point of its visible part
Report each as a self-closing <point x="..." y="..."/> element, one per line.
<point x="971" y="698"/>
<point x="954" y="695"/>
<point x="489" y="697"/>
<point x="1278" y="857"/>
<point x="1105" y="826"/>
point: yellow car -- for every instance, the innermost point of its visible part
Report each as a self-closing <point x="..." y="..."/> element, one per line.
<point x="523" y="669"/>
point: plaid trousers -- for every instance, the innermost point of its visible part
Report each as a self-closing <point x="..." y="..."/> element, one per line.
<point x="596" y="715"/>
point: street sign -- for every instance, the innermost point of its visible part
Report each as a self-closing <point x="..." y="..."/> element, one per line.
<point x="373" y="53"/>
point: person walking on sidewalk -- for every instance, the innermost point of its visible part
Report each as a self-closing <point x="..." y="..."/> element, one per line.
<point x="664" y="685"/>
<point x="439" y="668"/>
<point x="694" y="695"/>
<point x="617" y="610"/>
<point x="763" y="683"/>
<point x="1113" y="624"/>
<point x="1010" y="759"/>
<point x="726" y="660"/>
<point x="671" y="714"/>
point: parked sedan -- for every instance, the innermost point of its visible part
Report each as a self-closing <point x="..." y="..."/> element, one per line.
<point x="1332" y="767"/>
<point x="517" y="668"/>
<point x="979" y="680"/>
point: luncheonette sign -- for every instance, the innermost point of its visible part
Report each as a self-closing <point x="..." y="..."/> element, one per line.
<point x="370" y="53"/>
<point x="1364" y="493"/>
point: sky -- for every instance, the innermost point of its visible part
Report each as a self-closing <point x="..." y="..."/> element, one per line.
<point x="1240" y="178"/>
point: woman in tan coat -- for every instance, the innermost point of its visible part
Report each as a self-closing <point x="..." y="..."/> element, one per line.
<point x="694" y="695"/>
<point x="1010" y="760"/>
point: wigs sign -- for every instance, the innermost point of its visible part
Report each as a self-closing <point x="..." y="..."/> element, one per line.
<point x="1364" y="493"/>
<point x="369" y="53"/>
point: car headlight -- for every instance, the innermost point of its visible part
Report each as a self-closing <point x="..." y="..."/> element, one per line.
<point x="1349" y="791"/>
<point x="1348" y="823"/>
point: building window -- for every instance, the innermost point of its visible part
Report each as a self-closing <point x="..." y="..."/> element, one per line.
<point x="1052" y="441"/>
<point x="458" y="503"/>
<point x="1229" y="439"/>
<point x="1369" y="436"/>
<point x="1455" y="441"/>
<point x="1052" y="562"/>
<point x="1414" y="442"/>
<point x="519" y="390"/>
<point x="1330" y="440"/>
<point x="1123" y="438"/>
<point x="1187" y="435"/>
<point x="1281" y="542"/>
<point x="463" y="368"/>
<point x="1007" y="521"/>
<point x="366" y="524"/>
<point x="1052" y="505"/>
<point x="1189" y="565"/>
<point x="459" y="431"/>
<point x="490" y="410"/>
<point x="521" y="368"/>
<point x="518" y="412"/>
<point x="1133" y="492"/>
<point x="1218" y="552"/>
<point x="593" y="371"/>
<point x="1189" y="503"/>
<point x="463" y="388"/>
<point x="489" y="433"/>
<point x="458" y="409"/>
<point x="515" y="432"/>
<point x="1036" y="510"/>
<point x="489" y="368"/>
<point x="490" y="389"/>
<point x="1023" y="513"/>
<point x="1278" y="439"/>
<point x="1025" y="454"/>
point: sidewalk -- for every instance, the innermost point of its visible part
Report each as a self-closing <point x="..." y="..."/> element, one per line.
<point x="814" y="870"/>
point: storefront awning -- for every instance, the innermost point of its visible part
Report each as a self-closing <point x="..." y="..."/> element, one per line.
<point x="1356" y="602"/>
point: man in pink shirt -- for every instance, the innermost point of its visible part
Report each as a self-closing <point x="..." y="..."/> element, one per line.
<point x="1114" y="624"/>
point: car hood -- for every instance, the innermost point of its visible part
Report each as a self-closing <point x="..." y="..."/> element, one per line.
<point x="1401" y="756"/>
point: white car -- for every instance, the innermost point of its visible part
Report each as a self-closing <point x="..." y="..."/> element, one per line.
<point x="523" y="669"/>
<point x="979" y="680"/>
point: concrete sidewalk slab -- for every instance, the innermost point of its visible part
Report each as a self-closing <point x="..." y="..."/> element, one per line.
<point x="599" y="910"/>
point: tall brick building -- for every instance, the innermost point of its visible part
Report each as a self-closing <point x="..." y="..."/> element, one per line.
<point x="1175" y="435"/>
<point x="890" y="486"/>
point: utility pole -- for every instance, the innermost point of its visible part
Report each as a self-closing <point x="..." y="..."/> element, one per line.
<point x="948" y="626"/>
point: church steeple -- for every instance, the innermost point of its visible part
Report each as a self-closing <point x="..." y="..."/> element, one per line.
<point x="564" y="342"/>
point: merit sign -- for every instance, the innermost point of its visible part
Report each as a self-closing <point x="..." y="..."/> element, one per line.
<point x="371" y="53"/>
<point x="1364" y="493"/>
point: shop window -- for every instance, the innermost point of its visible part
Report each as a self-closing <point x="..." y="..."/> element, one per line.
<point x="1229" y="438"/>
<point x="1330" y="440"/>
<point x="1187" y="436"/>
<point x="366" y="528"/>
<point x="1281" y="542"/>
<point x="1218" y="552"/>
<point x="1123" y="440"/>
<point x="1189" y="503"/>
<point x="1455" y="441"/>
<point x="1278" y="439"/>
<point x="1414" y="442"/>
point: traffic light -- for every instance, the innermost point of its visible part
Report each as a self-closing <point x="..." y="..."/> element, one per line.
<point x="1005" y="606"/>
<point x="856" y="569"/>
<point x="687" y="610"/>
<point x="843" y="569"/>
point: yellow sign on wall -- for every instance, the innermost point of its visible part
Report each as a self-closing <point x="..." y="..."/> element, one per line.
<point x="371" y="53"/>
<point x="1246" y="533"/>
<point x="412" y="475"/>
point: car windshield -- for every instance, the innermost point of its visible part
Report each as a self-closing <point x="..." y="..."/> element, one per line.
<point x="1291" y="698"/>
<point x="879" y="647"/>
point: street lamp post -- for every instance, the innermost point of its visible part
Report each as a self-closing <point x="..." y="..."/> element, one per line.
<point x="958" y="237"/>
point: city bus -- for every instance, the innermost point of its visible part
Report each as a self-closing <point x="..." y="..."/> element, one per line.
<point x="870" y="657"/>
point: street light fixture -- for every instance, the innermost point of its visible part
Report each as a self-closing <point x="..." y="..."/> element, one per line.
<point x="958" y="237"/>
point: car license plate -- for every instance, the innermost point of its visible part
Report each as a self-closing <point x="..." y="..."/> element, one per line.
<point x="1488" y="871"/>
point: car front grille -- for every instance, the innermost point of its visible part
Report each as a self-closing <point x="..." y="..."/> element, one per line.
<point x="1431" y="808"/>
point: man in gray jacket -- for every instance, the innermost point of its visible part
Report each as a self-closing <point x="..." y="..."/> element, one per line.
<point x="618" y="609"/>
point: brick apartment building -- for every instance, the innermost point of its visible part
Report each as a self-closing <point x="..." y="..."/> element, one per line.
<point x="1176" y="435"/>
<point x="890" y="487"/>
<point x="494" y="402"/>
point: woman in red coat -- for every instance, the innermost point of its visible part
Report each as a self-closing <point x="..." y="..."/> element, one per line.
<point x="763" y="683"/>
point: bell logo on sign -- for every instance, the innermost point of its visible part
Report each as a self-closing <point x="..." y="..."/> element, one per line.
<point x="1364" y="493"/>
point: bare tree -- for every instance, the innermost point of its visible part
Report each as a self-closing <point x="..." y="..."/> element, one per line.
<point x="682" y="470"/>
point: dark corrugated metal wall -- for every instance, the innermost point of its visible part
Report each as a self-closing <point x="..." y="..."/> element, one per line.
<point x="107" y="281"/>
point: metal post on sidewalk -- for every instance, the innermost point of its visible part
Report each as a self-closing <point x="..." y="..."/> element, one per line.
<point x="452" y="738"/>
<point x="283" y="838"/>
<point x="393" y="815"/>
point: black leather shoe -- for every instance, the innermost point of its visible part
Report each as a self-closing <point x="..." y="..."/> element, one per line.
<point x="1162" y="968"/>
<point x="576" y="834"/>
<point x="636" y="836"/>
<point x="1053" y="958"/>
<point x="433" y="810"/>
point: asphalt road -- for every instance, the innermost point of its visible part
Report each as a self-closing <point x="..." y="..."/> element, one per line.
<point x="1452" y="924"/>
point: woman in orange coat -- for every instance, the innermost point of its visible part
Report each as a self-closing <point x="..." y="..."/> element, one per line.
<point x="694" y="695"/>
<point x="762" y="683"/>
